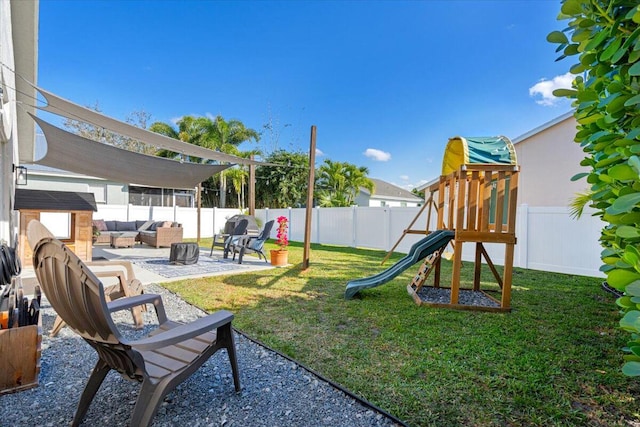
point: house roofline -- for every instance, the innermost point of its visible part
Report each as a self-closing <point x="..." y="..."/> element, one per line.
<point x="543" y="127"/>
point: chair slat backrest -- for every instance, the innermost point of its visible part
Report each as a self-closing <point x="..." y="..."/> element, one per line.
<point x="266" y="231"/>
<point x="258" y="243"/>
<point x="73" y="291"/>
<point x="241" y="228"/>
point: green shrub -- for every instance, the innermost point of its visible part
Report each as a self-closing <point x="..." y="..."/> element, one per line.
<point x="605" y="37"/>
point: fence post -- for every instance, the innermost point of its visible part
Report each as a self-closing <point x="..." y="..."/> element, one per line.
<point x="318" y="224"/>
<point x="354" y="227"/>
<point x="523" y="235"/>
<point x="387" y="231"/>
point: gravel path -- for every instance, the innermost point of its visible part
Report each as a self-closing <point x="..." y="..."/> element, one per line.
<point x="275" y="390"/>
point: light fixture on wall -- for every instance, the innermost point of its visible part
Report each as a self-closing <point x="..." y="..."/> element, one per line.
<point x="21" y="175"/>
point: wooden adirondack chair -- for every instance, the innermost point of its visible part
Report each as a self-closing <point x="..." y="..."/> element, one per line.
<point x="126" y="283"/>
<point x="160" y="361"/>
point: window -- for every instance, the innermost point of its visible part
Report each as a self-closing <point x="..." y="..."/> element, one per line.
<point x="99" y="192"/>
<point x="59" y="223"/>
<point x="184" y="200"/>
<point x="147" y="196"/>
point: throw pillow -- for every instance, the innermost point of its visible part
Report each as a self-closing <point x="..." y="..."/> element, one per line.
<point x="100" y="224"/>
<point x="111" y="225"/>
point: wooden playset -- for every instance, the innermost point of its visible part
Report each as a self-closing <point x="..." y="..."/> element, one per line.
<point x="475" y="197"/>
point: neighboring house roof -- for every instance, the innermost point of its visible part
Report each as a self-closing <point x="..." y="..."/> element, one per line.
<point x="385" y="190"/>
<point x="54" y="200"/>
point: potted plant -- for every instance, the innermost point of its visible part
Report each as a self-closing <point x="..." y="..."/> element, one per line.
<point x="96" y="233"/>
<point x="280" y="256"/>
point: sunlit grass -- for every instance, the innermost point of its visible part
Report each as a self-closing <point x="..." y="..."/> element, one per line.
<point x="554" y="360"/>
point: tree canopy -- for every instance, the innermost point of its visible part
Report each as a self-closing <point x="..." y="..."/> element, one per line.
<point x="283" y="186"/>
<point x="215" y="134"/>
<point x="338" y="183"/>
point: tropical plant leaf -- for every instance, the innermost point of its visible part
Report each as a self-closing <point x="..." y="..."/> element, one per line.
<point x="625" y="203"/>
<point x="631" y="321"/>
<point x="557" y="37"/>
<point x="631" y="369"/>
<point x="633" y="289"/>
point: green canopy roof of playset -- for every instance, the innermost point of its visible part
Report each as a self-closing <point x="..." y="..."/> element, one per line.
<point x="469" y="150"/>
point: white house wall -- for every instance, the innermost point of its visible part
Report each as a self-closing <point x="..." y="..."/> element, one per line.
<point x="548" y="160"/>
<point x="116" y="193"/>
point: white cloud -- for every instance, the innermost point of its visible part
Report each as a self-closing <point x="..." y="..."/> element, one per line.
<point x="319" y="153"/>
<point x="404" y="177"/>
<point x="544" y="88"/>
<point x="378" y="155"/>
<point x="175" y="120"/>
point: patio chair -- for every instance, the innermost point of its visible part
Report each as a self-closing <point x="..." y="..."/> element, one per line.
<point x="126" y="286"/>
<point x="160" y="361"/>
<point x="237" y="233"/>
<point x="253" y="244"/>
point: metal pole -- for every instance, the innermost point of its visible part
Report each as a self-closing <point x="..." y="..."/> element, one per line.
<point x="252" y="188"/>
<point x="199" y="198"/>
<point x="309" y="210"/>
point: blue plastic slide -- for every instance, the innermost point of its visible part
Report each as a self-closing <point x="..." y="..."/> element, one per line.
<point x="418" y="252"/>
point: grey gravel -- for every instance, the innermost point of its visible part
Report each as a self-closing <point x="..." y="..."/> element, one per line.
<point x="275" y="390"/>
<point x="465" y="297"/>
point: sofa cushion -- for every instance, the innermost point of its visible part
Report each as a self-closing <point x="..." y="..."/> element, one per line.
<point x="126" y="226"/>
<point x="99" y="224"/>
<point x="154" y="226"/>
<point x="111" y="225"/>
<point x="143" y="225"/>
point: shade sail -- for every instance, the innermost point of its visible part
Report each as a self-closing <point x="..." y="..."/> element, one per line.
<point x="68" y="109"/>
<point x="73" y="153"/>
<point x="473" y="150"/>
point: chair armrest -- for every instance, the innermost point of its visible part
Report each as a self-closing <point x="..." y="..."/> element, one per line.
<point x="126" y="264"/>
<point x="184" y="331"/>
<point x="129" y="302"/>
<point x="122" y="281"/>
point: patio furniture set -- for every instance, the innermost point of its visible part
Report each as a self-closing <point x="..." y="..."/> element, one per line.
<point x="127" y="233"/>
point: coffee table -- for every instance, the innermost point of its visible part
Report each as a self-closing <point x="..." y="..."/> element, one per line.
<point x="122" y="240"/>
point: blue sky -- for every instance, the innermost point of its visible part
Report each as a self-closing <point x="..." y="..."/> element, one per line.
<point x="385" y="82"/>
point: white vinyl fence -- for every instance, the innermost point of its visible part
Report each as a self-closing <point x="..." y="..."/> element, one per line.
<point x="548" y="238"/>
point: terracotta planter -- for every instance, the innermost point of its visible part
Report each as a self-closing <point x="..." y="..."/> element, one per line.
<point x="279" y="257"/>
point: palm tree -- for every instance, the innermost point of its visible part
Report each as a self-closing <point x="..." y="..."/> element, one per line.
<point x="226" y="136"/>
<point x="216" y="134"/>
<point x="339" y="183"/>
<point x="190" y="129"/>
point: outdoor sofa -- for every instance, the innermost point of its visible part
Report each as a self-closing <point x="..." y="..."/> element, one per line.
<point x="152" y="233"/>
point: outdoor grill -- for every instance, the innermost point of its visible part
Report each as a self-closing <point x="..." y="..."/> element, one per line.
<point x="231" y="223"/>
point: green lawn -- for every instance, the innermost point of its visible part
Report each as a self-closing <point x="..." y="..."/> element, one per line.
<point x="554" y="360"/>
